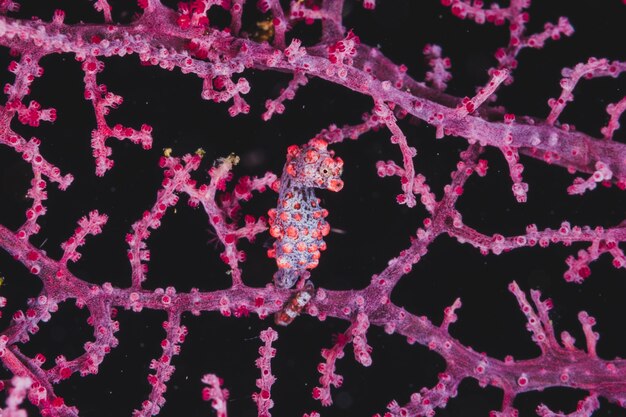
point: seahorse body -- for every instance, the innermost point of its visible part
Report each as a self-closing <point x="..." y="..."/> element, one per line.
<point x="298" y="222"/>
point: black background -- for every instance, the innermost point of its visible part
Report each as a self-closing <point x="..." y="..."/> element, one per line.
<point x="372" y="227"/>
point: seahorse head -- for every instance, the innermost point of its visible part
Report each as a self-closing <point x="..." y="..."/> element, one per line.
<point x="313" y="165"/>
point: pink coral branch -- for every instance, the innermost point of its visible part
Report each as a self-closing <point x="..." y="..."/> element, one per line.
<point x="330" y="15"/>
<point x="104" y="7"/>
<point x="176" y="178"/>
<point x="163" y="369"/>
<point x="449" y="315"/>
<point x="335" y="134"/>
<point x="389" y="168"/>
<point x="439" y="75"/>
<point x="9" y="6"/>
<point x="102" y="102"/>
<point x="276" y="105"/>
<point x="356" y="334"/>
<point x="469" y="105"/>
<point x="263" y="398"/>
<point x="425" y="402"/>
<point x="593" y="68"/>
<point x="615" y="110"/>
<point x="327" y="369"/>
<point x="215" y="394"/>
<point x="384" y="113"/>
<point x="26" y="71"/>
<point x="91" y="225"/>
<point x="564" y="148"/>
<point x="18" y="391"/>
<point x="221" y="215"/>
<point x="585" y="408"/>
<point x="602" y="241"/>
<point x="602" y="174"/>
<point x="517" y="17"/>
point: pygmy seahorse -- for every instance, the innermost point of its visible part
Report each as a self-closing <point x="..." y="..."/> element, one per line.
<point x="298" y="222"/>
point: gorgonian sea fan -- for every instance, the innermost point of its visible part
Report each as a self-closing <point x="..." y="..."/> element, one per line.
<point x="145" y="257"/>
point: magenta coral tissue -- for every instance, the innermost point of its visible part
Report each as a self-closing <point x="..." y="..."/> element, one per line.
<point x="423" y="200"/>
